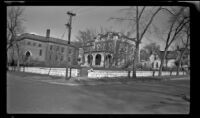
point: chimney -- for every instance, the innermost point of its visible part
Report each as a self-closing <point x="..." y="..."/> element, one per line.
<point x="48" y="33"/>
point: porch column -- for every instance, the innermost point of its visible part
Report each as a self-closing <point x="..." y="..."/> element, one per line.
<point x="94" y="59"/>
<point x="86" y="59"/>
<point x="102" y="60"/>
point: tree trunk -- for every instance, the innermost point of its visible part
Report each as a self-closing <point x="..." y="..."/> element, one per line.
<point x="129" y="72"/>
<point x="178" y="67"/>
<point x="162" y="62"/>
<point x="136" y="52"/>
<point x="49" y="71"/>
<point x="66" y="73"/>
<point x="18" y="57"/>
<point x="153" y="72"/>
<point x="18" y="66"/>
<point x="135" y="61"/>
<point x="179" y="63"/>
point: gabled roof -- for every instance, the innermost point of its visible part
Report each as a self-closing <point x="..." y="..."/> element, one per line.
<point x="169" y="55"/>
<point x="45" y="39"/>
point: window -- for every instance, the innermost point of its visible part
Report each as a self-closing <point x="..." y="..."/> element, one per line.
<point x="34" y="44"/>
<point x="51" y="47"/>
<point x="57" y="48"/>
<point x="49" y="57"/>
<point x="61" y="59"/>
<point x="39" y="45"/>
<point x="70" y="51"/>
<point x="29" y="43"/>
<point x="98" y="59"/>
<point x="79" y="59"/>
<point x="28" y="54"/>
<point x="40" y="53"/>
<point x="62" y="49"/>
<point x="56" y="57"/>
<point x="69" y="59"/>
<point x="90" y="58"/>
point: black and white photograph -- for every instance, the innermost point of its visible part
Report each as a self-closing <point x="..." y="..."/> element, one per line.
<point x="98" y="59"/>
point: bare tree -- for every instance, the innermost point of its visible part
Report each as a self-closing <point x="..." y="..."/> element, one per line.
<point x="14" y="28"/>
<point x="185" y="47"/>
<point x="152" y="48"/>
<point x="177" y="23"/>
<point x="86" y="35"/>
<point x="140" y="30"/>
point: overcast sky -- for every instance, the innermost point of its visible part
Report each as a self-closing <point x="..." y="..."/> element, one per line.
<point x="40" y="18"/>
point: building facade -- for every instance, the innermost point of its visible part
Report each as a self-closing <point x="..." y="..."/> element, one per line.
<point x="107" y="50"/>
<point x="44" y="51"/>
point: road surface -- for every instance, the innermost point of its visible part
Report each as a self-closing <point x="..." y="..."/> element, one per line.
<point x="29" y="93"/>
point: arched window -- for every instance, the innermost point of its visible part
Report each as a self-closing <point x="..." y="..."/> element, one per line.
<point x="28" y="53"/>
<point x="90" y="58"/>
<point x="98" y="59"/>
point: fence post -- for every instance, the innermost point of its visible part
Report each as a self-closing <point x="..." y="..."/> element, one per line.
<point x="129" y="73"/>
<point x="153" y="72"/>
<point x="170" y="72"/>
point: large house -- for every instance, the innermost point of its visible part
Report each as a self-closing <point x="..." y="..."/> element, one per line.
<point x="44" y="51"/>
<point x="107" y="50"/>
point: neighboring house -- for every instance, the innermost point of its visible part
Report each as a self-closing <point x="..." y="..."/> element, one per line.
<point x="45" y="50"/>
<point x="172" y="57"/>
<point x="107" y="50"/>
<point x="155" y="59"/>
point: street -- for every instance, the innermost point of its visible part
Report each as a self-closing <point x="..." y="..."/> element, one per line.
<point x="29" y="93"/>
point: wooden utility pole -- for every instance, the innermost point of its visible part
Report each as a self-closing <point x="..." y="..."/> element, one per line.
<point x="69" y="26"/>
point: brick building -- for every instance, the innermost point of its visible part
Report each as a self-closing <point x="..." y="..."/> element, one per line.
<point x="44" y="51"/>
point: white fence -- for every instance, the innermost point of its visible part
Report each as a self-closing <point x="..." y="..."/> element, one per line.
<point x="92" y="74"/>
<point x="54" y="71"/>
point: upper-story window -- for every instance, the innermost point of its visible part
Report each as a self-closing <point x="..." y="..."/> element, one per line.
<point x="29" y="43"/>
<point x="57" y="48"/>
<point x="39" y="45"/>
<point x="40" y="53"/>
<point x="70" y="51"/>
<point x="51" y="47"/>
<point x="61" y="59"/>
<point x="49" y="57"/>
<point x="69" y="59"/>
<point x="62" y="49"/>
<point x="34" y="44"/>
<point x="56" y="57"/>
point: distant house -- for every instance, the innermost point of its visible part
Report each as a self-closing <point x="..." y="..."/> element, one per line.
<point x="155" y="59"/>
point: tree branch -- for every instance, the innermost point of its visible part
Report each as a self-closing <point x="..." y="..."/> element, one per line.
<point x="141" y="12"/>
<point x="121" y="18"/>
<point x="178" y="29"/>
<point x="150" y="21"/>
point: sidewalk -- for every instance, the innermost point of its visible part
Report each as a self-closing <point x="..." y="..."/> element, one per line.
<point x="74" y="81"/>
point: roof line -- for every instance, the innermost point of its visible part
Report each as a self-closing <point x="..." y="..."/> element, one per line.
<point x="27" y="35"/>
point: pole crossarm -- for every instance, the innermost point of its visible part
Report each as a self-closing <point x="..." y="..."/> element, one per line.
<point x="69" y="25"/>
